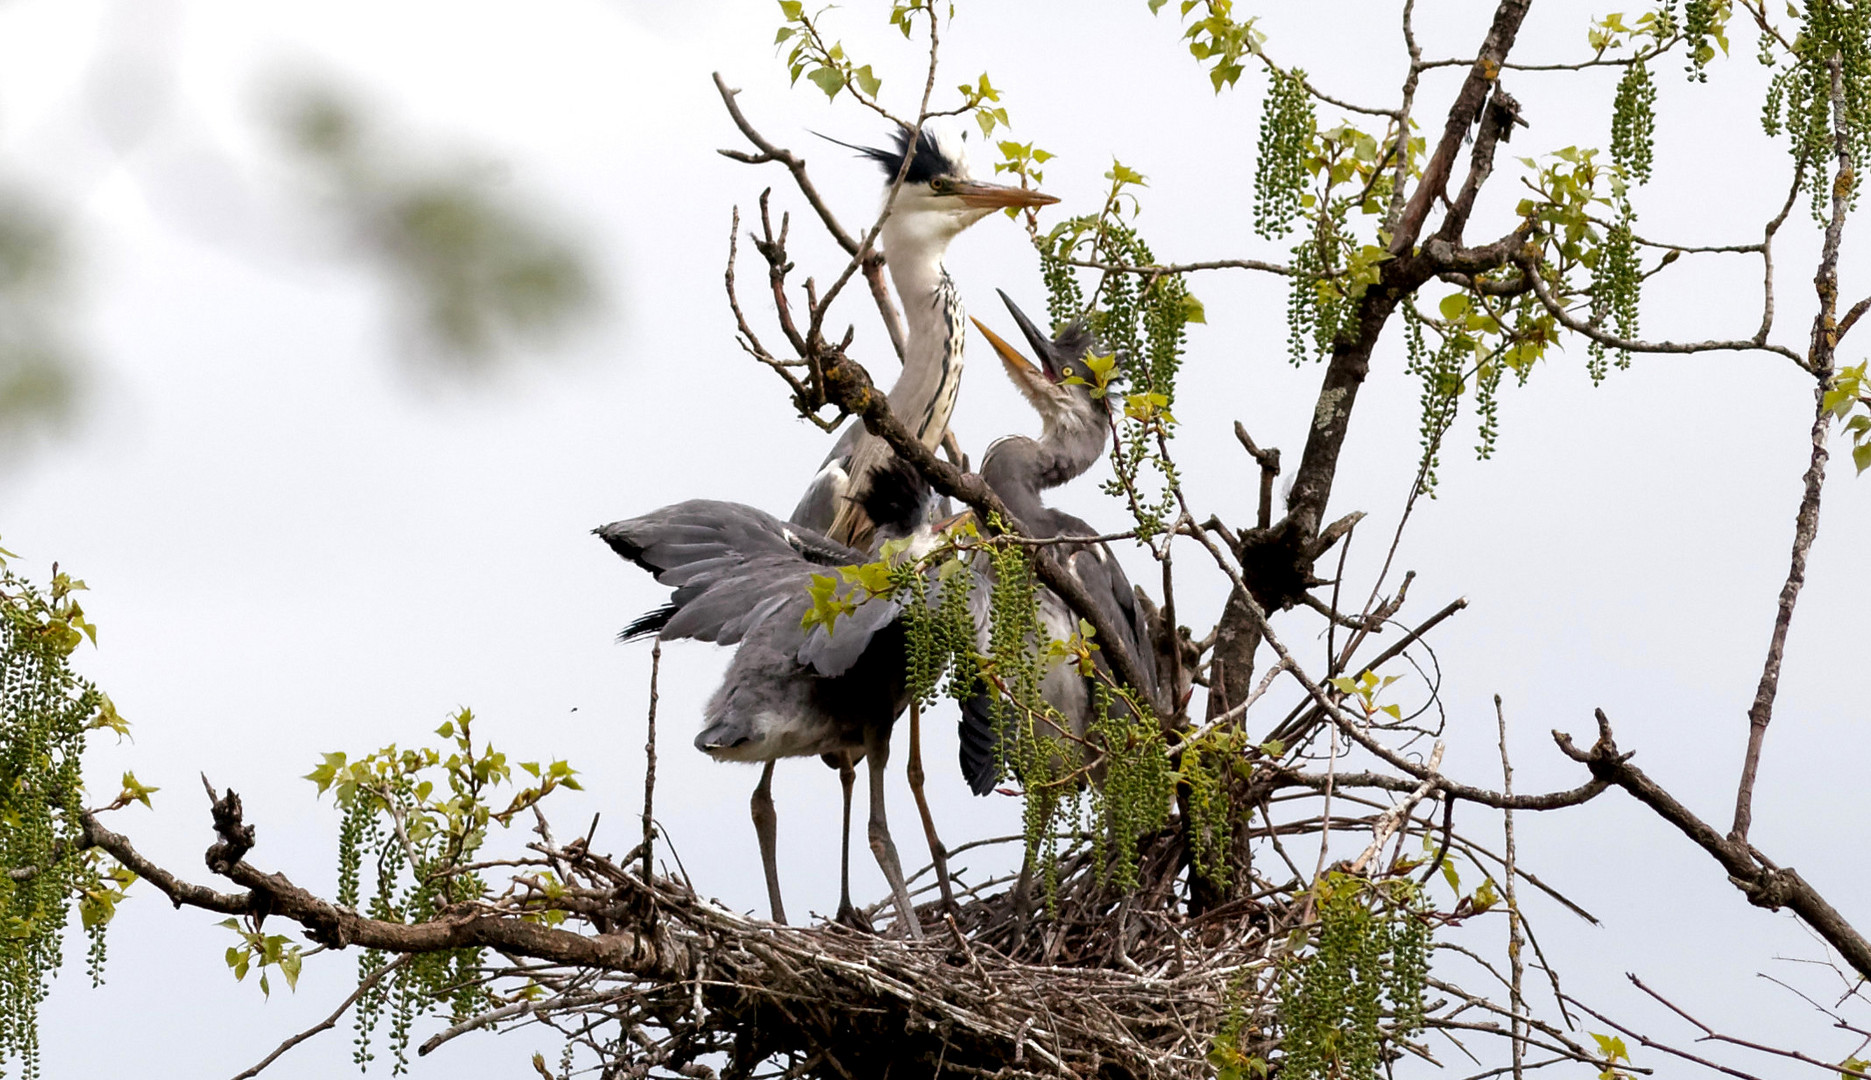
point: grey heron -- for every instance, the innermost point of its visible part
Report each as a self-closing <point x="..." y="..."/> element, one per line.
<point x="939" y="199"/>
<point x="1074" y="424"/>
<point x="743" y="576"/>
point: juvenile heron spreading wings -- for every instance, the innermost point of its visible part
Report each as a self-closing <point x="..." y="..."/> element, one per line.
<point x="742" y="576"/>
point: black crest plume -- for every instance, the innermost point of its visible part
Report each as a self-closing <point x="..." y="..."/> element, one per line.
<point x="927" y="164"/>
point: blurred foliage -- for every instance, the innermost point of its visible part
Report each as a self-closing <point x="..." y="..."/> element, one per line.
<point x="46" y="714"/>
<point x="481" y="274"/>
<point x="40" y="376"/>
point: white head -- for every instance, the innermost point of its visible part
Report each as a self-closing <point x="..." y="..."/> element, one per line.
<point x="940" y="197"/>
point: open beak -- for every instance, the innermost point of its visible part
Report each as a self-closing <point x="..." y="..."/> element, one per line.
<point x="985" y="196"/>
<point x="1040" y="341"/>
<point x="1027" y="377"/>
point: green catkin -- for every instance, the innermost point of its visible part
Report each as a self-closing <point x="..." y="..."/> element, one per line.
<point x="1700" y="19"/>
<point x="1286" y="129"/>
<point x="45" y="713"/>
<point x="1634" y="122"/>
<point x="1488" y="405"/>
<point x="1368" y="962"/>
<point x="1799" y="100"/>
<point x="1440" y="396"/>
<point x="1617" y="285"/>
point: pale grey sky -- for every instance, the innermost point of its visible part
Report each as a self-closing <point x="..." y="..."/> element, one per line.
<point x="298" y="543"/>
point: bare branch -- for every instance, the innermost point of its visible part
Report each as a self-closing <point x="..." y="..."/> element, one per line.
<point x="1819" y="361"/>
<point x="1763" y="883"/>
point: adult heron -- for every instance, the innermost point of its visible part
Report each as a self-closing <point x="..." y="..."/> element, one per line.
<point x="743" y="576"/>
<point x="1073" y="427"/>
<point x="939" y="199"/>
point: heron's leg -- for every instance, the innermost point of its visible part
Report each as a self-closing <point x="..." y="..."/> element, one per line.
<point x="1022" y="902"/>
<point x="765" y="827"/>
<point x="877" y="748"/>
<point x="847" y="914"/>
<point x="938" y="854"/>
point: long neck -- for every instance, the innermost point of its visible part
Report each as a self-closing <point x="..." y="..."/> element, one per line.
<point x="924" y="394"/>
<point x="1019" y="468"/>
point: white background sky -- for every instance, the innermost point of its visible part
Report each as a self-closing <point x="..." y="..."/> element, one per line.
<point x="298" y="542"/>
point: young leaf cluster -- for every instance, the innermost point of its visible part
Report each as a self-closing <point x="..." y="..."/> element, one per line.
<point x="413" y="821"/>
<point x="821" y="61"/>
<point x="1337" y="260"/>
<point x="1563" y="218"/>
<point x="1217" y="39"/>
<point x="1848" y="399"/>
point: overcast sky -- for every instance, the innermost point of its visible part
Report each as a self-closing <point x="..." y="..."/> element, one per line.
<point x="299" y="541"/>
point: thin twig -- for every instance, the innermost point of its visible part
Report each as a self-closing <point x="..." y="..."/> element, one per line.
<point x="329" y="1022"/>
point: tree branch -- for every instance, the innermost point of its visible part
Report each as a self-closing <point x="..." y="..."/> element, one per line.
<point x="1819" y="361"/>
<point x="1763" y="883"/>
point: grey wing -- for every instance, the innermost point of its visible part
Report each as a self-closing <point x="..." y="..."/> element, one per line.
<point x="1109" y="587"/>
<point x="733" y="567"/>
<point x="981" y="754"/>
<point x="832" y="654"/>
<point x="819" y="505"/>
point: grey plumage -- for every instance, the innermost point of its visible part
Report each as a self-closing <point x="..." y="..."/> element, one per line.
<point x="742" y="577"/>
<point x="1019" y="469"/>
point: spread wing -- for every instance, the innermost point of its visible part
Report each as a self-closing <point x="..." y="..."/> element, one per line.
<point x="736" y="569"/>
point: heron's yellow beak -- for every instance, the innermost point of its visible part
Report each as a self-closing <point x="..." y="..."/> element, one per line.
<point x="985" y="196"/>
<point x="1026" y="375"/>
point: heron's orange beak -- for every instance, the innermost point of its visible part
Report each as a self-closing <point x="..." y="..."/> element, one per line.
<point x="1026" y="375"/>
<point x="985" y="196"/>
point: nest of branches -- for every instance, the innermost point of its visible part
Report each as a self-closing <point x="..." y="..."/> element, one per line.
<point x="1100" y="982"/>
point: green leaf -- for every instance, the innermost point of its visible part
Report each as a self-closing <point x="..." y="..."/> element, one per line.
<point x="1611" y="1047"/>
<point x="1124" y="174"/>
<point x="867" y="82"/>
<point x="830" y="80"/>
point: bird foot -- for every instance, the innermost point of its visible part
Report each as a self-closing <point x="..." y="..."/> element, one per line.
<point x="854" y="919"/>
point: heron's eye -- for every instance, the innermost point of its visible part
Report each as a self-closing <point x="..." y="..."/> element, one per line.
<point x="1068" y="372"/>
<point x="941" y="185"/>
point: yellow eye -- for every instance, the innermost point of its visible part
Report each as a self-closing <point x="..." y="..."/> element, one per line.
<point x="941" y="184"/>
<point x="1069" y="371"/>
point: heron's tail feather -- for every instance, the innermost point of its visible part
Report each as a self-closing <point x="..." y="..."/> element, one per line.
<point x="650" y="622"/>
<point x="980" y="751"/>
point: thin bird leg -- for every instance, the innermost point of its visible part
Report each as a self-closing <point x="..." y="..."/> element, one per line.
<point x="848" y="915"/>
<point x="877" y="749"/>
<point x="765" y="827"/>
<point x="938" y="854"/>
